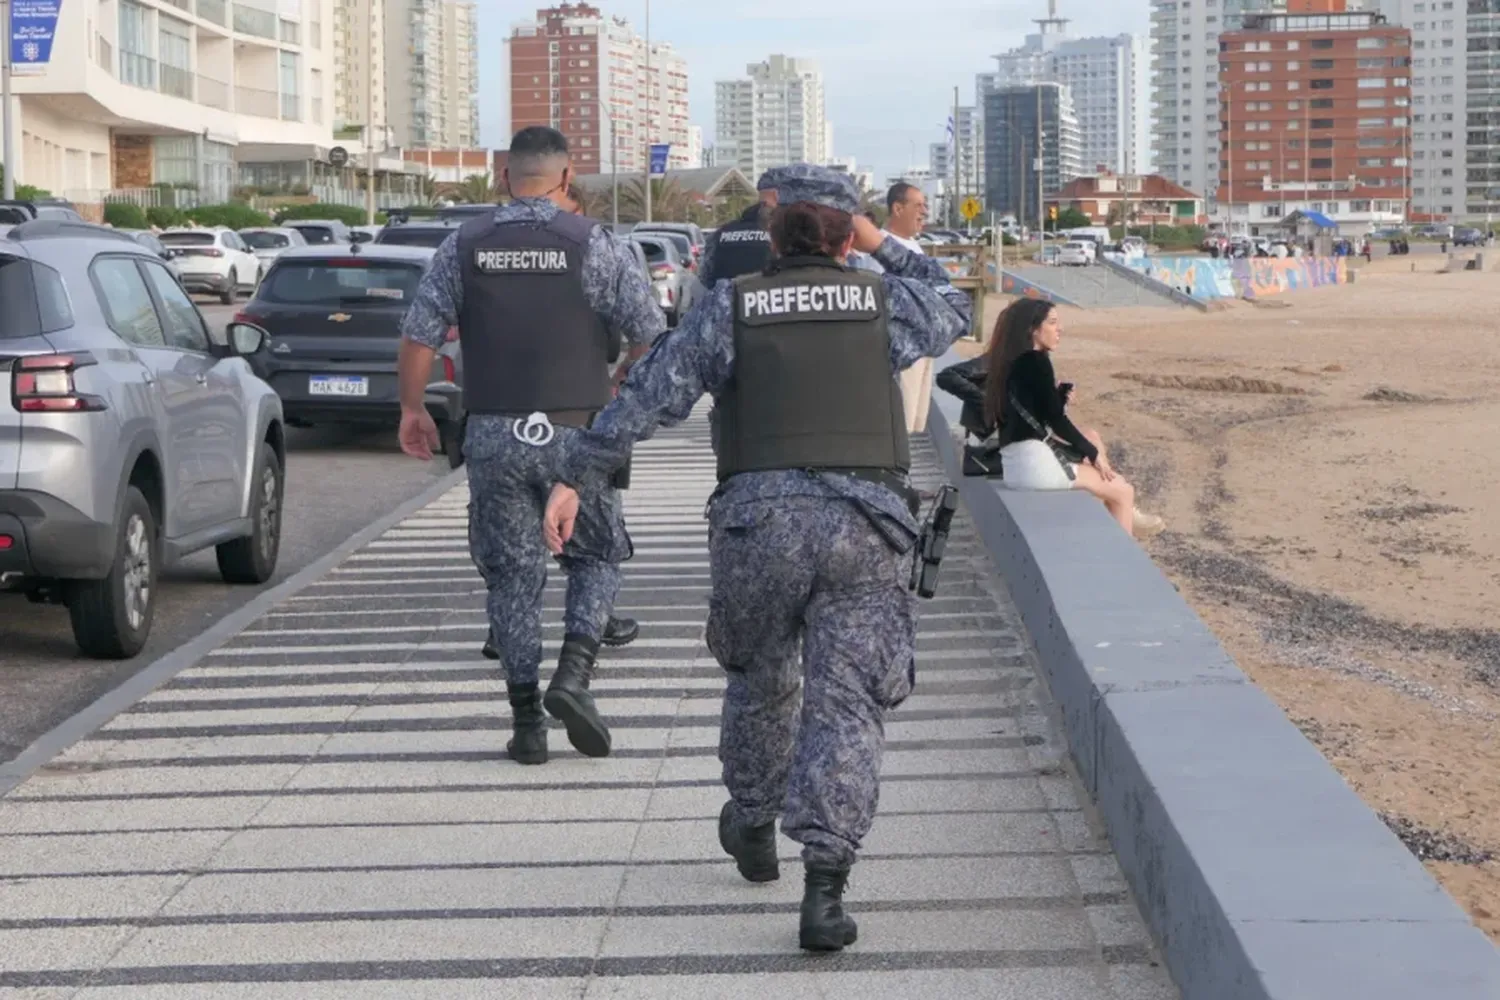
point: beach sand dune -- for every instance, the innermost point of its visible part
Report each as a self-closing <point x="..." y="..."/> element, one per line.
<point x="1329" y="469"/>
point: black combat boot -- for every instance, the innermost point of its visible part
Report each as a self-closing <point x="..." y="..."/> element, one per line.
<point x="752" y="847"/>
<point x="568" y="697"/>
<point x="825" y="925"/>
<point x="528" y="745"/>
<point x="490" y="651"/>
<point x="620" y="631"/>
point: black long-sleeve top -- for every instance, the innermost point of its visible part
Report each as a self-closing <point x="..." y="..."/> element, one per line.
<point x="965" y="381"/>
<point x="1033" y="384"/>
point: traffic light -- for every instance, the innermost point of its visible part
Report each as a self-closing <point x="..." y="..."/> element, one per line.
<point x="1052" y="213"/>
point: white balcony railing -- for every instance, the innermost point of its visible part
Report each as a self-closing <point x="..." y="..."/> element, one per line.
<point x="213" y="10"/>
<point x="213" y="93"/>
<point x="104" y="54"/>
<point x="260" y="103"/>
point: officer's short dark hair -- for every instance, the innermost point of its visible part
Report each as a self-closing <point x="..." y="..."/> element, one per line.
<point x="534" y="150"/>
<point x="897" y="194"/>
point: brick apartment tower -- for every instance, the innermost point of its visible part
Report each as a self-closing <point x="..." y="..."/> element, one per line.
<point x="580" y="72"/>
<point x="1315" y="114"/>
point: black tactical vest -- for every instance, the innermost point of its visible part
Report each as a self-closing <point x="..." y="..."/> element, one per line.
<point x="812" y="386"/>
<point x="530" y="339"/>
<point x="742" y="247"/>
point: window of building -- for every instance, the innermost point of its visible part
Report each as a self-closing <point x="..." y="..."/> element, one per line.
<point x="174" y="46"/>
<point x="137" y="67"/>
<point x="1371" y="161"/>
<point x="1322" y="64"/>
<point x="1320" y="102"/>
<point x="1372" y="43"/>
<point x="1322" y="85"/>
<point x="1293" y="46"/>
<point x="1293" y="85"/>
<point x="1293" y="66"/>
<point x="1322" y="43"/>
<point x="1322" y="163"/>
<point x="1294" y="164"/>
<point x="1320" y="144"/>
<point x="1321" y="123"/>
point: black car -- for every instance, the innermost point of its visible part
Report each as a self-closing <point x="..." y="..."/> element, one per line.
<point x="419" y="233"/>
<point x="1468" y="237"/>
<point x="333" y="318"/>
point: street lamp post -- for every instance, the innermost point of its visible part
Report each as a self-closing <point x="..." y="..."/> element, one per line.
<point x="9" y="141"/>
<point x="614" y="165"/>
<point x="648" y="110"/>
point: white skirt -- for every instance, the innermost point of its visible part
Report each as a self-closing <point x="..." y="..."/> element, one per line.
<point x="1032" y="465"/>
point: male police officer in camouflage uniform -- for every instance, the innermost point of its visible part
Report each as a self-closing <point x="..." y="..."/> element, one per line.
<point x="812" y="526"/>
<point x="538" y="295"/>
<point x="743" y="246"/>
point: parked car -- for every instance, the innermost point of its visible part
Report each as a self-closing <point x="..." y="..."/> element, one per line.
<point x="131" y="435"/>
<point x="16" y="211"/>
<point x="671" y="280"/>
<point x="332" y="316"/>
<point x="1468" y="236"/>
<point x="321" y="232"/>
<point x="267" y="242"/>
<point x="694" y="235"/>
<point x="1077" y="253"/>
<point x="428" y="232"/>
<point x="464" y="212"/>
<point x="213" y="261"/>
<point x="147" y="239"/>
<point x="363" y="234"/>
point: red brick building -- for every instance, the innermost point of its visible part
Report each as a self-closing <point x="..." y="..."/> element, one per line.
<point x="1315" y="115"/>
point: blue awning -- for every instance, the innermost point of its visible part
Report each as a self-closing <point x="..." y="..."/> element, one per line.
<point x="1320" y="220"/>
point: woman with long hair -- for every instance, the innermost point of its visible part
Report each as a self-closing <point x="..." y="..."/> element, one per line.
<point x="1043" y="449"/>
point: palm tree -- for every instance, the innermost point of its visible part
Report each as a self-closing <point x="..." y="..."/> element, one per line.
<point x="595" y="203"/>
<point x="476" y="189"/>
<point x="669" y="202"/>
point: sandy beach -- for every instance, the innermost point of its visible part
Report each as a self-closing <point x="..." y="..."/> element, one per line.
<point x="1327" y="466"/>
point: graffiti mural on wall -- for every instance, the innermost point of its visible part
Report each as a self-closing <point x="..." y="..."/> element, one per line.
<point x="1200" y="277"/>
<point x="1011" y="284"/>
<point x="1259" y="277"/>
<point x="1255" y="277"/>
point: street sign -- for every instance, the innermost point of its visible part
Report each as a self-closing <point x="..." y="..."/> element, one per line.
<point x="33" y="24"/>
<point x="338" y="156"/>
<point x="970" y="209"/>
<point x="659" y="158"/>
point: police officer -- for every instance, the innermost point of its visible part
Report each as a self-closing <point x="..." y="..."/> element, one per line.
<point x="743" y="246"/>
<point x="538" y="295"/>
<point x="812" y="526"/>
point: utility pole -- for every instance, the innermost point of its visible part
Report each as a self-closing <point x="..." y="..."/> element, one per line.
<point x="1041" y="165"/>
<point x="648" y="110"/>
<point x="9" y="142"/>
<point x="957" y="194"/>
<point x="370" y="124"/>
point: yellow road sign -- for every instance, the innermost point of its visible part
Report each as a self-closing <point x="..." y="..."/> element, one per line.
<point x="970" y="209"/>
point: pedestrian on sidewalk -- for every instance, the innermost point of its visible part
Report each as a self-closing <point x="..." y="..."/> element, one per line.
<point x="812" y="526"/>
<point x="906" y="214"/>
<point x="540" y="297"/>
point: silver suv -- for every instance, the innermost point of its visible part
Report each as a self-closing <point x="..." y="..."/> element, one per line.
<point x="130" y="436"/>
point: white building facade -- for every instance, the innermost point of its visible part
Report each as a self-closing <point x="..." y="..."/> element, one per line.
<point x="771" y="117"/>
<point x="1107" y="78"/>
<point x="144" y="92"/>
<point x="432" y="91"/>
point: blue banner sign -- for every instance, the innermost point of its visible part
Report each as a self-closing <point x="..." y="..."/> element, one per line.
<point x="33" y="25"/>
<point x="659" y="158"/>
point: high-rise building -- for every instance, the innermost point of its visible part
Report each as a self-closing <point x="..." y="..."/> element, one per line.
<point x="1014" y="117"/>
<point x="359" y="72"/>
<point x="771" y="117"/>
<point x="587" y="75"/>
<point x="1185" y="86"/>
<point x="1456" y="106"/>
<point x="967" y="138"/>
<point x="143" y="94"/>
<point x="1107" y="78"/>
<point x="1315" y="113"/>
<point x="432" y="91"/>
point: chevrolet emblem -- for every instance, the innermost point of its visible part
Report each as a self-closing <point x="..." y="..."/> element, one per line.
<point x="341" y="317"/>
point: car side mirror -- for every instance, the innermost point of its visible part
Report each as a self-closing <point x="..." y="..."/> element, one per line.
<point x="246" y="339"/>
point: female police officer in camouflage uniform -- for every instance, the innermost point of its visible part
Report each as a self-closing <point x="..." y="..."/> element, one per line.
<point x="812" y="526"/>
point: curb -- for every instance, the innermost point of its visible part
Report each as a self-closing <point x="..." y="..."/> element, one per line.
<point x="1259" y="871"/>
<point x="87" y="720"/>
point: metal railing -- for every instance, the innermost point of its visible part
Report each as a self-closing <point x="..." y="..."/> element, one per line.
<point x="260" y="103"/>
<point x="253" y="21"/>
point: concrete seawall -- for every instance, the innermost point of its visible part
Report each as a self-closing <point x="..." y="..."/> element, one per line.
<point x="1262" y="875"/>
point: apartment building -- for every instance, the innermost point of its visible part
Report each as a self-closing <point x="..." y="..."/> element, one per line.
<point x="144" y="92"/>
<point x="1185" y="86"/>
<point x="359" y="67"/>
<point x="1455" y="106"/>
<point x="1016" y="120"/>
<point x="1315" y="116"/>
<point x="772" y="116"/>
<point x="610" y="91"/>
<point x="966" y="139"/>
<point x="1106" y="77"/>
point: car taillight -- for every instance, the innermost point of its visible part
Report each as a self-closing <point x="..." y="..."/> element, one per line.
<point x="246" y="317"/>
<point x="213" y="253"/>
<point x="6" y="542"/>
<point x="44" y="384"/>
<point x="661" y="270"/>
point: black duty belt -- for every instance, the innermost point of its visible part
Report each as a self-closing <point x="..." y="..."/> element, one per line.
<point x="561" y="418"/>
<point x="889" y="478"/>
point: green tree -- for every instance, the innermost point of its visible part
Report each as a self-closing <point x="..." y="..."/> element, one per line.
<point x="476" y="189"/>
<point x="232" y="215"/>
<point x="165" y="217"/>
<point x="1068" y="218"/>
<point x="349" y="215"/>
<point x="669" y="202"/>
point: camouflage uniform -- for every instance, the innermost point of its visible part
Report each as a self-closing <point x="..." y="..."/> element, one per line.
<point x="797" y="567"/>
<point x="509" y="480"/>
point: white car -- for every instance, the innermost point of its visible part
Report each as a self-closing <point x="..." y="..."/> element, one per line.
<point x="1077" y="253"/>
<point x="268" y="242"/>
<point x="214" y="261"/>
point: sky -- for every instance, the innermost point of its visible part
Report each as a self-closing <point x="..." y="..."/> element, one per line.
<point x="888" y="72"/>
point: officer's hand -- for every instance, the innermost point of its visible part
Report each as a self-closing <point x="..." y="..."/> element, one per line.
<point x="867" y="238"/>
<point x="418" y="434"/>
<point x="557" y="521"/>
